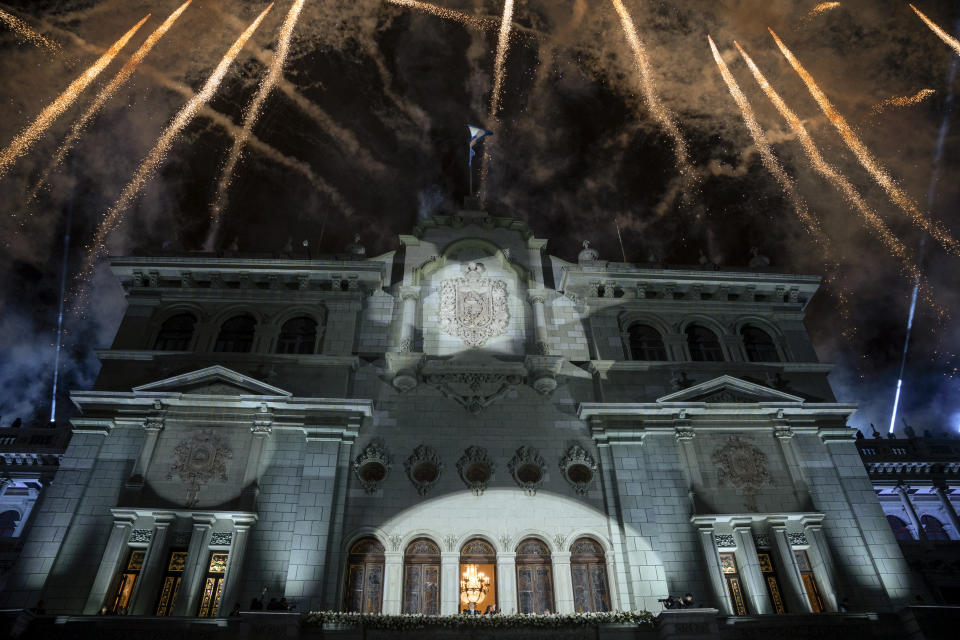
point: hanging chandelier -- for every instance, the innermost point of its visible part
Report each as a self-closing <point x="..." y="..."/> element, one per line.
<point x="474" y="586"/>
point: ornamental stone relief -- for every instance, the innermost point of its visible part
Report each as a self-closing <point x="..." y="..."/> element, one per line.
<point x="476" y="469"/>
<point x="579" y="468"/>
<point x="472" y="307"/>
<point x="372" y="467"/>
<point x="742" y="465"/>
<point x="198" y="461"/>
<point x="528" y="469"/>
<point x="423" y="468"/>
<point x="473" y="391"/>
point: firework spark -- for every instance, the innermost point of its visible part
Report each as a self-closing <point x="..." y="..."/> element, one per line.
<point x="943" y="35"/>
<point x="660" y="113"/>
<point x="499" y="63"/>
<point x="821" y="8"/>
<point x="477" y="22"/>
<point x="250" y="117"/>
<point x="159" y="151"/>
<point x="869" y="162"/>
<point x="105" y="94"/>
<point x="28" y="136"/>
<point x="26" y="32"/>
<point x="902" y="101"/>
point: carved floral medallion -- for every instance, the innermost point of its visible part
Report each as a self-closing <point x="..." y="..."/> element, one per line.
<point x="473" y="307"/>
<point x="744" y="466"/>
<point x="199" y="460"/>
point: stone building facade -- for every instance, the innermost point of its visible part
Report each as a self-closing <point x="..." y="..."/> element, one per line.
<point x="358" y="433"/>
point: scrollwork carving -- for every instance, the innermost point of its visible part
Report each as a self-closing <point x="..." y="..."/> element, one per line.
<point x="423" y="468"/>
<point x="474" y="308"/>
<point x="579" y="468"/>
<point x="476" y="469"/>
<point x="372" y="467"/>
<point x="199" y="460"/>
<point x="742" y="465"/>
<point x="528" y="469"/>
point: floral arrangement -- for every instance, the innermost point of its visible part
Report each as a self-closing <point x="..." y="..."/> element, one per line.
<point x="496" y="621"/>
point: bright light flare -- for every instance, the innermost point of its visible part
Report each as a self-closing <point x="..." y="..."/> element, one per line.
<point x="867" y="160"/>
<point x="250" y="117"/>
<point x="822" y="8"/>
<point x="477" y="22"/>
<point x="26" y="32"/>
<point x="903" y="101"/>
<point x="21" y="144"/>
<point x="166" y="140"/>
<point x="943" y="35"/>
<point x="105" y="94"/>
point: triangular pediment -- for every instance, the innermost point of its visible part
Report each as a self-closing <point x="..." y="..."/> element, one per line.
<point x="727" y="389"/>
<point x="216" y="380"/>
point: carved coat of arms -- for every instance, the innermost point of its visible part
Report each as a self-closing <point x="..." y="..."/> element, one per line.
<point x="742" y="465"/>
<point x="472" y="307"/>
<point x="199" y="460"/>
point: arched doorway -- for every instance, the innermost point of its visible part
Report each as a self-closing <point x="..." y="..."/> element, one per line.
<point x="478" y="575"/>
<point x="534" y="577"/>
<point x="588" y="568"/>
<point x="421" y="578"/>
<point x="364" y="589"/>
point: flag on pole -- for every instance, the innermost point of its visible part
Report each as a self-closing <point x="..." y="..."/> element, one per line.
<point x="476" y="135"/>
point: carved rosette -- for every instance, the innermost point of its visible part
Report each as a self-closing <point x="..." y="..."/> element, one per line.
<point x="579" y="468"/>
<point x="476" y="469"/>
<point x="742" y="465"/>
<point x="423" y="468"/>
<point x="528" y="469"/>
<point x="372" y="467"/>
<point x="474" y="308"/>
<point x="200" y="460"/>
<point x="473" y="391"/>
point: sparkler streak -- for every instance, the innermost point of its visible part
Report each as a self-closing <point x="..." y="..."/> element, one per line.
<point x="22" y="143"/>
<point x="867" y="160"/>
<point x="26" y="32"/>
<point x="903" y="101"/>
<point x="823" y="7"/>
<point x="166" y="140"/>
<point x="503" y="44"/>
<point x="250" y="117"/>
<point x="477" y="22"/>
<point x="943" y="35"/>
<point x="105" y="94"/>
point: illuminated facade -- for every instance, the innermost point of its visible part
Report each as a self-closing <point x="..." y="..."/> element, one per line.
<point x="373" y="434"/>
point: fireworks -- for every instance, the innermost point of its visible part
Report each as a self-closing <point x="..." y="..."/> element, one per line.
<point x="903" y="101"/>
<point x="253" y="112"/>
<point x="660" y="113"/>
<point x="28" y="136"/>
<point x="871" y="164"/>
<point x="106" y="93"/>
<point x="821" y="8"/>
<point x="476" y="22"/>
<point x="503" y="44"/>
<point x="943" y="35"/>
<point x="159" y="151"/>
<point x="25" y="32"/>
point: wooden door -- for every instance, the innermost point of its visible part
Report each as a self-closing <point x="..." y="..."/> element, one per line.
<point x="731" y="574"/>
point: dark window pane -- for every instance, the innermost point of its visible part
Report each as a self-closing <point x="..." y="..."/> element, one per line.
<point x="298" y="335"/>
<point x="900" y="530"/>
<point x="175" y="333"/>
<point x="759" y="345"/>
<point x="704" y="344"/>
<point x="646" y="343"/>
<point x="934" y="528"/>
<point x="236" y="335"/>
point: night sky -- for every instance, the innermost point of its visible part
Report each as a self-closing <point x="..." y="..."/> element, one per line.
<point x="366" y="134"/>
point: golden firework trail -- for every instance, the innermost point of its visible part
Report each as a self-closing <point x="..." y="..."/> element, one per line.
<point x="903" y="101"/>
<point x="250" y="117"/>
<point x="943" y="35"/>
<point x="829" y="172"/>
<point x="162" y="147"/>
<point x="499" y="64"/>
<point x="26" y="32"/>
<point x="477" y="22"/>
<point x="823" y="7"/>
<point x="105" y="94"/>
<point x="867" y="160"/>
<point x="28" y="136"/>
<point x="660" y="113"/>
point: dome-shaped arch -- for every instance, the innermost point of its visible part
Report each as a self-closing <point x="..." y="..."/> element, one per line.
<point x="421" y="577"/>
<point x="429" y="268"/>
<point x="589" y="575"/>
<point x="535" y="579"/>
<point x="707" y="321"/>
<point x="365" y="572"/>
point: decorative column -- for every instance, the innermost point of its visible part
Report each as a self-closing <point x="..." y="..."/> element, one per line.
<point x="684" y="434"/>
<point x="261" y="430"/>
<point x="197" y="555"/>
<point x="944" y="495"/>
<point x="113" y="555"/>
<point x="821" y="561"/>
<point x="904" y="492"/>
<point x="506" y="582"/>
<point x="408" y="318"/>
<point x="749" y="565"/>
<point x="335" y="552"/>
<point x="151" y="428"/>
<point x="784" y="435"/>
<point x="787" y="565"/>
<point x="714" y="573"/>
<point x="392" y="581"/>
<point x="145" y="589"/>
<point x="537" y="299"/>
<point x="450" y="582"/>
<point x="234" y="574"/>
<point x="563" y="582"/>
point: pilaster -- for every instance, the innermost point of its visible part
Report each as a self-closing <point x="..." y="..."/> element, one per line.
<point x="196" y="563"/>
<point x="904" y="492"/>
<point x="148" y="583"/>
<point x="749" y="565"/>
<point x="450" y="583"/>
<point x="507" y="581"/>
<point x="113" y="555"/>
<point x="392" y="582"/>
<point x="714" y="574"/>
<point x="235" y="557"/>
<point x="786" y="563"/>
<point x="944" y="497"/>
<point x="563" y="582"/>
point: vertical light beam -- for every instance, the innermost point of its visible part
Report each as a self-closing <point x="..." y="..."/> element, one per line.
<point x="157" y="155"/>
<point x="867" y="160"/>
<point x="250" y="118"/>
<point x="63" y="296"/>
<point x="105" y="94"/>
<point x="28" y="136"/>
<point x="943" y="35"/>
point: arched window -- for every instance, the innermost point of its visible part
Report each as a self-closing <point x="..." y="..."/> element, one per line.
<point x="298" y="335"/>
<point x="421" y="578"/>
<point x="646" y="343"/>
<point x="175" y="333"/>
<point x="900" y="530"/>
<point x="478" y="576"/>
<point x="364" y="577"/>
<point x="588" y="568"/>
<point x="704" y="344"/>
<point x="759" y="345"/>
<point x="8" y="523"/>
<point x="934" y="528"/>
<point x="236" y="335"/>
<point x="534" y="577"/>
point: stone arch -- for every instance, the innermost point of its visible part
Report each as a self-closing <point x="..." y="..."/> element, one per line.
<point x="175" y="309"/>
<point x="318" y="313"/>
<point x="771" y="329"/>
<point x="429" y="268"/>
